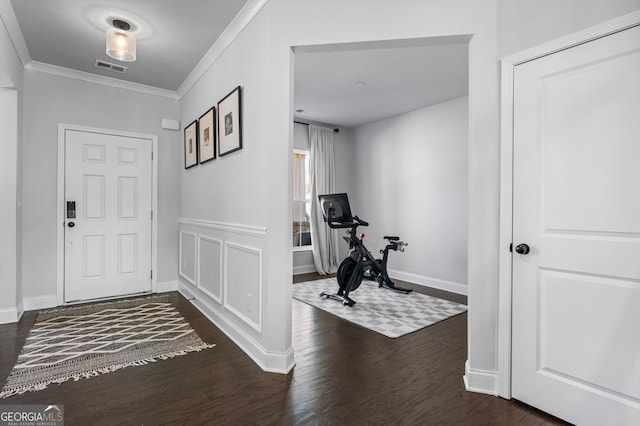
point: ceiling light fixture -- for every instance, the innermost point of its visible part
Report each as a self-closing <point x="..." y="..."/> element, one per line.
<point x="121" y="44"/>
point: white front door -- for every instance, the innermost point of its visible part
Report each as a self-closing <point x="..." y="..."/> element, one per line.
<point x="576" y="294"/>
<point x="108" y="195"/>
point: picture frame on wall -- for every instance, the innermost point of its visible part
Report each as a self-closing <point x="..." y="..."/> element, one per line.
<point x="230" y="123"/>
<point x="191" y="145"/>
<point x="207" y="136"/>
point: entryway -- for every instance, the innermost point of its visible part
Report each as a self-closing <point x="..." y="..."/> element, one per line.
<point x="107" y="196"/>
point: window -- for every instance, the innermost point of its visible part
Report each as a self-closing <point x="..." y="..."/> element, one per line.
<point x="301" y="200"/>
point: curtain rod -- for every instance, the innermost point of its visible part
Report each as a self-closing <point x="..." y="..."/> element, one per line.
<point x="306" y="124"/>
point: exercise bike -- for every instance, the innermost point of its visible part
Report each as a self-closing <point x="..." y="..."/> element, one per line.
<point x="360" y="263"/>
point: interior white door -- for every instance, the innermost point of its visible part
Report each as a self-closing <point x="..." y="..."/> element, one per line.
<point x="108" y="242"/>
<point x="576" y="294"/>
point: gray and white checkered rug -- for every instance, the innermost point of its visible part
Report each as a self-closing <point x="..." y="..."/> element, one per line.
<point x="384" y="311"/>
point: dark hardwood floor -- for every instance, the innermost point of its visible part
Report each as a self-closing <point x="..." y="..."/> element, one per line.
<point x="344" y="375"/>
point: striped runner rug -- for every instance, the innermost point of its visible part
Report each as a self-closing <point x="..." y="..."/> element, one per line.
<point x="85" y="341"/>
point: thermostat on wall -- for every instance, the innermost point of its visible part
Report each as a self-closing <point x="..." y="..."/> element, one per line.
<point x="170" y="124"/>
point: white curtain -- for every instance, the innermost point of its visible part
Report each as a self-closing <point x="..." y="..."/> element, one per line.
<point x="299" y="213"/>
<point x="323" y="181"/>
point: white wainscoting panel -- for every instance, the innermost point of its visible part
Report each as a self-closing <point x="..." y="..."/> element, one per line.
<point x="235" y="228"/>
<point x="210" y="267"/>
<point x="221" y="273"/>
<point x="188" y="250"/>
<point x="243" y="283"/>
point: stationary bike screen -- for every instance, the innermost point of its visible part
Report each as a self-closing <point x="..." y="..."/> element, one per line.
<point x="336" y="210"/>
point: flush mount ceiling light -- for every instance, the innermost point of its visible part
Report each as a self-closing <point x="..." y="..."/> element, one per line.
<point x="121" y="44"/>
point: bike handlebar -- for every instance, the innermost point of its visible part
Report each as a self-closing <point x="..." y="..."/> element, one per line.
<point x="360" y="221"/>
<point x="357" y="222"/>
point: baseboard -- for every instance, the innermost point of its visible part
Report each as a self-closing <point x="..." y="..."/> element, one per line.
<point x="11" y="315"/>
<point x="20" y="309"/>
<point x="166" y="286"/>
<point x="445" y="285"/>
<point x="303" y="269"/>
<point x="480" y="381"/>
<point x="8" y="315"/>
<point x="41" y="302"/>
<point x="51" y="301"/>
<point x="272" y="362"/>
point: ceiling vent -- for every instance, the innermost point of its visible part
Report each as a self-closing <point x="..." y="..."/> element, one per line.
<point x="102" y="65"/>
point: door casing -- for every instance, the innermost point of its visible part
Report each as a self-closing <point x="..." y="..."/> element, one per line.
<point x="508" y="64"/>
<point x="60" y="215"/>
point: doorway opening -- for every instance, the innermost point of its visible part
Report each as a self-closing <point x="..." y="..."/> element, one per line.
<point x="401" y="108"/>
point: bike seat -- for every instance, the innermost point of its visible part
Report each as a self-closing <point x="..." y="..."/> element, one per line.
<point x="392" y="238"/>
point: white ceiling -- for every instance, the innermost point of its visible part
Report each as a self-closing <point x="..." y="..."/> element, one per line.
<point x="174" y="37"/>
<point x="356" y="83"/>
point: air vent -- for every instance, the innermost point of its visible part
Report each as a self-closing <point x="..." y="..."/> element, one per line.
<point x="108" y="66"/>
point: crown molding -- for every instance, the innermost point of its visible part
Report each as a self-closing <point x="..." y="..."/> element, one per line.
<point x="241" y="20"/>
<point x="601" y="30"/>
<point x="8" y="17"/>
<point x="98" y="79"/>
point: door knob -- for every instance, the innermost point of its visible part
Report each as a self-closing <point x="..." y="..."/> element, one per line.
<point x="522" y="249"/>
<point x="72" y="224"/>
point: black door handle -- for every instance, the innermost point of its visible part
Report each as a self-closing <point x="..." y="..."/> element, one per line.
<point x="72" y="224"/>
<point x="522" y="249"/>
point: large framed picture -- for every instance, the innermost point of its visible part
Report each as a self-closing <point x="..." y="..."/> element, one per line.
<point x="207" y="136"/>
<point x="230" y="123"/>
<point x="191" y="145"/>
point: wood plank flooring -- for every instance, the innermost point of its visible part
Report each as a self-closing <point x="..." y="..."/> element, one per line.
<point x="344" y="375"/>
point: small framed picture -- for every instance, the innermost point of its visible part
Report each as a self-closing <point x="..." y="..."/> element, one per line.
<point x="230" y="123"/>
<point x="191" y="145"/>
<point x="207" y="136"/>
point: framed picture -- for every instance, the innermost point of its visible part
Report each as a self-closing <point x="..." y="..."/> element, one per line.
<point x="230" y="123"/>
<point x="191" y="145"/>
<point x="207" y="136"/>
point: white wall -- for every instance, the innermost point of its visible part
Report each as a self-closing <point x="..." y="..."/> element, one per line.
<point x="50" y="99"/>
<point x="523" y="24"/>
<point x="229" y="200"/>
<point x="9" y="220"/>
<point x="10" y="177"/>
<point x="245" y="188"/>
<point x="410" y="180"/>
<point x="299" y="23"/>
<point x="300" y="137"/>
<point x="10" y="65"/>
<point x="343" y="146"/>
